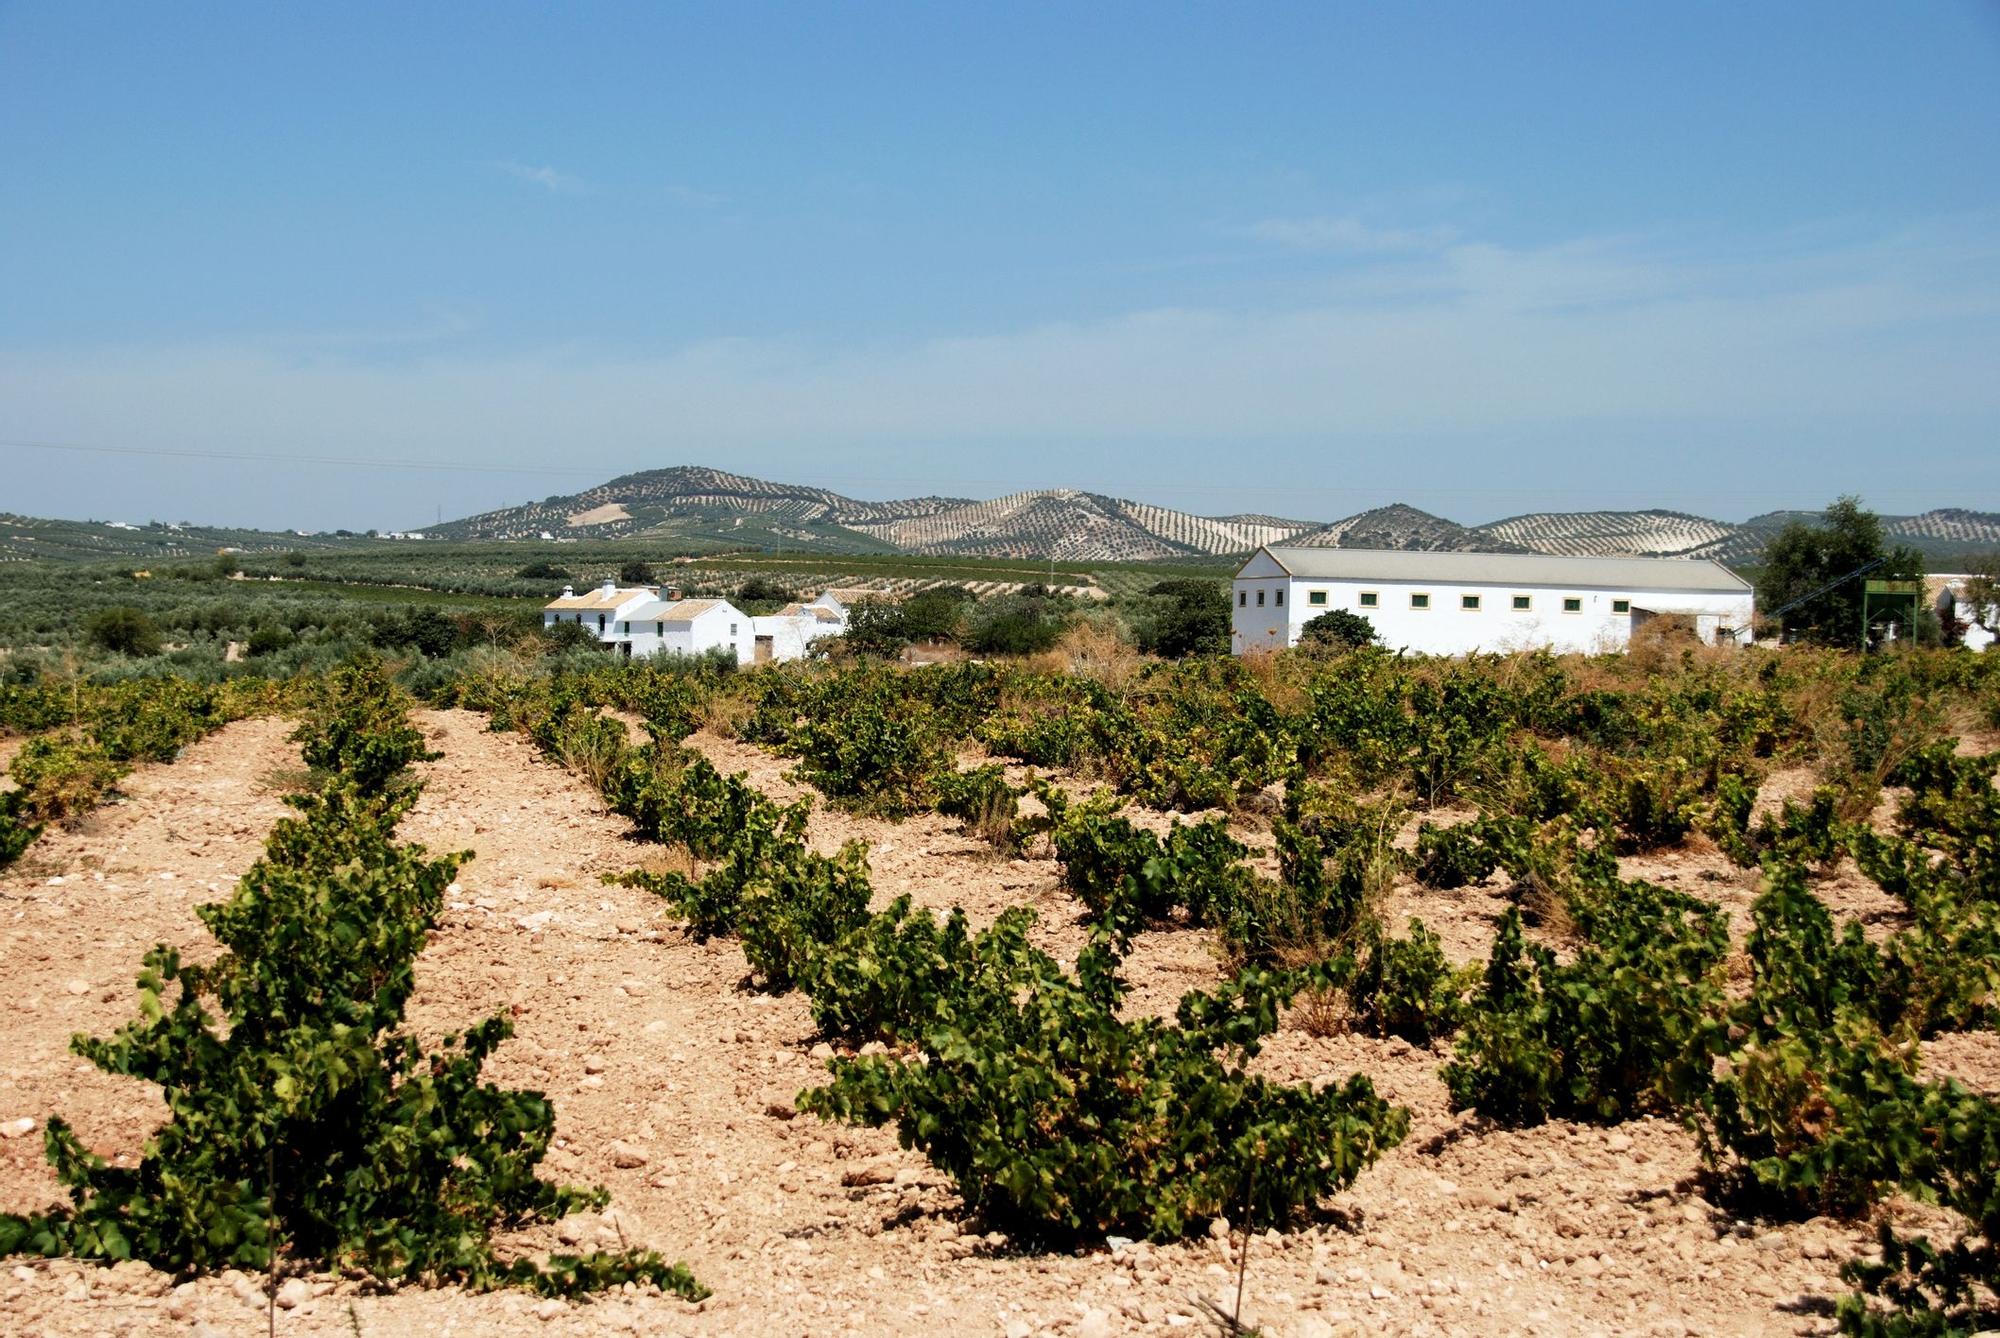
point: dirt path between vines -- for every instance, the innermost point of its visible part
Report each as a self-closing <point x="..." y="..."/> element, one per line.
<point x="673" y="1085"/>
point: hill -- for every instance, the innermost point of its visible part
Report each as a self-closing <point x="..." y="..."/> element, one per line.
<point x="694" y="509"/>
<point x="695" y="505"/>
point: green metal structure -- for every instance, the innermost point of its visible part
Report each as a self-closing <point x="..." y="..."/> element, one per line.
<point x="1891" y="606"/>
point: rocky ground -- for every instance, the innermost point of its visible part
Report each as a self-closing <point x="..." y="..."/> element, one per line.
<point x="674" y="1086"/>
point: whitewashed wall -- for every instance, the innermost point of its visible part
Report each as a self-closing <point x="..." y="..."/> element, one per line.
<point x="1445" y="628"/>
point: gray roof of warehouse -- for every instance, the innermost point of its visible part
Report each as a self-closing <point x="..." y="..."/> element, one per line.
<point x="1448" y="568"/>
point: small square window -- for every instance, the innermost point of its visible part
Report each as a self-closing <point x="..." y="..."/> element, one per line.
<point x="1523" y="602"/>
<point x="1470" y="603"/>
<point x="1316" y="597"/>
<point x="1420" y="601"/>
<point x="1621" y="606"/>
<point x="732" y="629"/>
<point x="1260" y="599"/>
<point x="1242" y="598"/>
<point x="1278" y="598"/>
<point x="1572" y="604"/>
<point x="1369" y="599"/>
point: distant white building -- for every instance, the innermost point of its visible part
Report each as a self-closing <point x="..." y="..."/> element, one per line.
<point x="1981" y="626"/>
<point x="645" y="621"/>
<point x="789" y="633"/>
<point x="1455" y="603"/>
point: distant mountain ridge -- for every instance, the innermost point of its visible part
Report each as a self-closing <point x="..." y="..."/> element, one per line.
<point x="1067" y="525"/>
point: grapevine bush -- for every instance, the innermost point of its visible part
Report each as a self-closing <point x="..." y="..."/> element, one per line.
<point x="1060" y="1121"/>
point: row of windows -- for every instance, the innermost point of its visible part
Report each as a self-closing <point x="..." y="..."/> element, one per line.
<point x="1370" y="599"/>
<point x="659" y="629"/>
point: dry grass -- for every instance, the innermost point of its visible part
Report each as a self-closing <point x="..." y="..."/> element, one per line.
<point x="285" y="780"/>
<point x="1320" y="1011"/>
<point x="1099" y="650"/>
<point x="725" y="713"/>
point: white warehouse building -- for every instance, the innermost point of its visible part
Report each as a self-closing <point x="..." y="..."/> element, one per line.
<point x="1442" y="603"/>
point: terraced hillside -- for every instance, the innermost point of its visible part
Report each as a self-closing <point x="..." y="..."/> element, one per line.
<point x="697" y="510"/>
<point x="696" y="502"/>
<point x="691" y="504"/>
<point x="1397" y="526"/>
<point x="32" y="539"/>
<point x="1607" y="533"/>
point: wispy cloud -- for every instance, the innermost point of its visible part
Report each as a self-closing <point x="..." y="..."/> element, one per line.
<point x="548" y="178"/>
<point x="1347" y="232"/>
<point x="694" y="198"/>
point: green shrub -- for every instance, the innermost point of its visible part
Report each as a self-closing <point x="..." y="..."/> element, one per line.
<point x="1059" y="1121"/>
<point x="123" y="631"/>
<point x="1628" y="1026"/>
<point x="1336" y="857"/>
<point x="798" y="904"/>
<point x="16" y="832"/>
<point x="872" y="756"/>
<point x="983" y="801"/>
<point x="1338" y="629"/>
<point x="1449" y="857"/>
<point x="1406" y="987"/>
<point x="881" y="980"/>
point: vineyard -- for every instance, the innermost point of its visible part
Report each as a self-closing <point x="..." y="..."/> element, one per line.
<point x="1511" y="994"/>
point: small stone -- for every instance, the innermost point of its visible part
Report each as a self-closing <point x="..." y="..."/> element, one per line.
<point x="18" y="1128"/>
<point x="536" y="922"/>
<point x="594" y="1064"/>
<point x="550" y="1309"/>
<point x="78" y="987"/>
<point x="627" y="926"/>
<point x="293" y="1293"/>
<point x="862" y="1176"/>
<point x="821" y="1051"/>
<point x="1094" y="1324"/>
<point x="634" y="989"/>
<point x="626" y="1157"/>
<point x="781" y="1110"/>
<point x="1019" y="1328"/>
<point x="1618" y="1143"/>
<point x="1219" y="1229"/>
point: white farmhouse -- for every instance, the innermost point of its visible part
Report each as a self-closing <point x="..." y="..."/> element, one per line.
<point x="640" y="620"/>
<point x="1456" y="603"/>
<point x="676" y="626"/>
<point x="789" y="633"/>
<point x="596" y="610"/>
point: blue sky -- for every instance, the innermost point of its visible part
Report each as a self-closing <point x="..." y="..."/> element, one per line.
<point x="1303" y="259"/>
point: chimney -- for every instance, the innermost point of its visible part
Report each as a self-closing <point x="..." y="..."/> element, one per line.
<point x="568" y="593"/>
<point x="673" y="594"/>
<point x="610" y="586"/>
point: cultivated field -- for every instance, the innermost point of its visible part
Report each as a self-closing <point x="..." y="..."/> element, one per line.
<point x="1561" y="1191"/>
